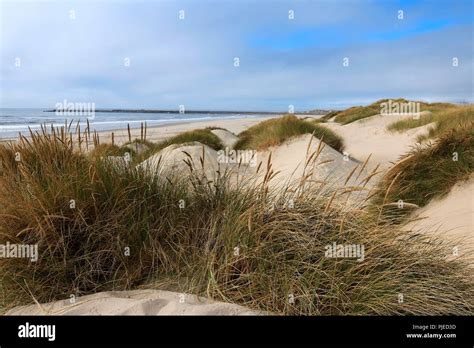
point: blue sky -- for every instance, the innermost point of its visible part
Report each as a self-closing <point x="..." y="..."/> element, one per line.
<point x="283" y="61"/>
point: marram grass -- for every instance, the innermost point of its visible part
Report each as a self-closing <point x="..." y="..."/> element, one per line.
<point x="443" y="119"/>
<point x="429" y="170"/>
<point x="275" y="131"/>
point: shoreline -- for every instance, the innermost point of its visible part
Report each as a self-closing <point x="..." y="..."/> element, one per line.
<point x="314" y="112"/>
<point x="160" y="132"/>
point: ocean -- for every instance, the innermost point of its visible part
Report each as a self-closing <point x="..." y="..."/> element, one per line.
<point x="14" y="121"/>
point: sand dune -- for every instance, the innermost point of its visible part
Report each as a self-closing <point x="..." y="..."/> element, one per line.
<point x="329" y="165"/>
<point x="227" y="138"/>
<point x="370" y="136"/>
<point x="174" y="158"/>
<point x="451" y="217"/>
<point x="297" y="157"/>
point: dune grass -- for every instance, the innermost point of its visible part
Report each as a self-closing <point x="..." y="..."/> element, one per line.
<point x="215" y="127"/>
<point x="328" y="116"/>
<point x="356" y="113"/>
<point x="137" y="144"/>
<point x="242" y="243"/>
<point x="444" y="116"/>
<point x="274" y="132"/>
<point x="359" y="112"/>
<point x="429" y="171"/>
<point x="204" y="136"/>
<point x="106" y="150"/>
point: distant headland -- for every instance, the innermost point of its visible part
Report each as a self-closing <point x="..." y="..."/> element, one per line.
<point x="211" y="112"/>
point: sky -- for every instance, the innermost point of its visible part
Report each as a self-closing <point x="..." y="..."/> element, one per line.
<point x="309" y="54"/>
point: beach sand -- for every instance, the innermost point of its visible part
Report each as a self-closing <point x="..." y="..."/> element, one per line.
<point x="370" y="136"/>
<point x="450" y="217"/>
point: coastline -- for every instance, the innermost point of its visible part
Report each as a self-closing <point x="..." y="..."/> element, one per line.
<point x="161" y="132"/>
<point x="158" y="133"/>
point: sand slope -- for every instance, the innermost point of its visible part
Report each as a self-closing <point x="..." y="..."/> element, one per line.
<point x="227" y="138"/>
<point x="290" y="158"/>
<point x="136" y="302"/>
<point x="369" y="136"/>
<point x="174" y="158"/>
<point x="452" y="216"/>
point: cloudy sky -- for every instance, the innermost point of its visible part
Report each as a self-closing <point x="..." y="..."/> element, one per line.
<point x="80" y="50"/>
